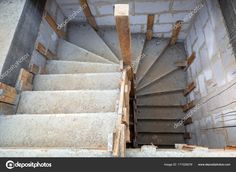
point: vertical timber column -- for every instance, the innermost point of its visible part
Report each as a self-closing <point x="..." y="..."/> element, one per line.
<point x="87" y="12"/>
<point x="121" y="14"/>
<point x="150" y="22"/>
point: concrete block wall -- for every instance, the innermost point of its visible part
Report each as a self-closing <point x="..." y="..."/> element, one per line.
<point x="46" y="34"/>
<point x="167" y="12"/>
<point x="214" y="72"/>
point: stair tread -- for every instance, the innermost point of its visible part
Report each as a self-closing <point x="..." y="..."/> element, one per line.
<point x="163" y="99"/>
<point x="80" y="101"/>
<point x="109" y="35"/>
<point x="158" y="126"/>
<point x="78" y="33"/>
<point x="153" y="49"/>
<point x="159" y="113"/>
<point x="84" y="130"/>
<point x="69" y="51"/>
<point x="72" y="67"/>
<point x="159" y="139"/>
<point x="165" y="63"/>
<point x="87" y="81"/>
<point x="175" y="80"/>
<point x="53" y="152"/>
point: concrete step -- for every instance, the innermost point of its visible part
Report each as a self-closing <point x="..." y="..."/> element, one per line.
<point x="109" y="36"/>
<point x="57" y="130"/>
<point x="152" y="51"/>
<point x="159" y="126"/>
<point x="159" y="113"/>
<point x="53" y="152"/>
<point x="86" y="81"/>
<point x="71" y="52"/>
<point x="82" y="101"/>
<point x="161" y="92"/>
<point x="159" y="139"/>
<point x="174" y="80"/>
<point x="78" y="33"/>
<point x="72" y="67"/>
<point x="165" y="63"/>
<point x="162" y="100"/>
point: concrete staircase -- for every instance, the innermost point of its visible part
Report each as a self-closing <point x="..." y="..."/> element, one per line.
<point x="159" y="95"/>
<point x="73" y="105"/>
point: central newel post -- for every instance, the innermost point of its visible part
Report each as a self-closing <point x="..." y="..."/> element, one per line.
<point x="121" y="13"/>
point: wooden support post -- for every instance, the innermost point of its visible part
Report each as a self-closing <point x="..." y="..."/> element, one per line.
<point x="24" y="81"/>
<point x="189" y="88"/>
<point x="175" y="32"/>
<point x="189" y="106"/>
<point x="87" y="12"/>
<point x="150" y="22"/>
<point x="44" y="51"/>
<point x="34" y="69"/>
<point x="123" y="29"/>
<point x="8" y="94"/>
<point x="53" y="24"/>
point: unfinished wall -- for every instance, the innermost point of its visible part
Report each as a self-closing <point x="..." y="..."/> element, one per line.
<point x="19" y="28"/>
<point x="167" y="12"/>
<point x="46" y="35"/>
<point x="214" y="71"/>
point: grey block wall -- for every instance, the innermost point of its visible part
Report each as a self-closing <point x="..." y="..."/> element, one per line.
<point x="167" y="12"/>
<point x="214" y="71"/>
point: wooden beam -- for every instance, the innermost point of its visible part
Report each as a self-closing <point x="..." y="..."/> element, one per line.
<point x="121" y="14"/>
<point x="186" y="63"/>
<point x="53" y="24"/>
<point x="44" y="51"/>
<point x="188" y="121"/>
<point x="34" y="69"/>
<point x="24" y="81"/>
<point x="8" y="94"/>
<point x="189" y="88"/>
<point x="191" y="59"/>
<point x="150" y="22"/>
<point x="175" y="32"/>
<point x="189" y="106"/>
<point x="87" y="12"/>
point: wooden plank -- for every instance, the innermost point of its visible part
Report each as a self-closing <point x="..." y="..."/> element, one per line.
<point x="53" y="24"/>
<point x="189" y="106"/>
<point x="44" y="51"/>
<point x="175" y="32"/>
<point x="24" y="81"/>
<point x="190" y="59"/>
<point x="150" y="22"/>
<point x="122" y="141"/>
<point x="123" y="29"/>
<point x="116" y="142"/>
<point x="8" y="94"/>
<point x="87" y="12"/>
<point x="188" y="121"/>
<point x="189" y="88"/>
<point x="230" y="147"/>
<point x="34" y="69"/>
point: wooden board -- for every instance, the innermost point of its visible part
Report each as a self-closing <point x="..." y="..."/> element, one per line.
<point x="44" y="51"/>
<point x="8" y="94"/>
<point x="150" y="22"/>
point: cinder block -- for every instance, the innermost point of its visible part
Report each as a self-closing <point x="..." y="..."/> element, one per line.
<point x="218" y="71"/>
<point x="210" y="40"/>
<point x="202" y="85"/>
<point x="105" y="9"/>
<point x="172" y="18"/>
<point x="151" y="7"/>
<point x="184" y="5"/>
<point x="106" y="20"/>
<point x="162" y="28"/>
<point x="139" y="19"/>
<point x="231" y="133"/>
<point x="135" y="28"/>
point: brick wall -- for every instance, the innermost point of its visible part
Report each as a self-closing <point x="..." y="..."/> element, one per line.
<point x="214" y="72"/>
